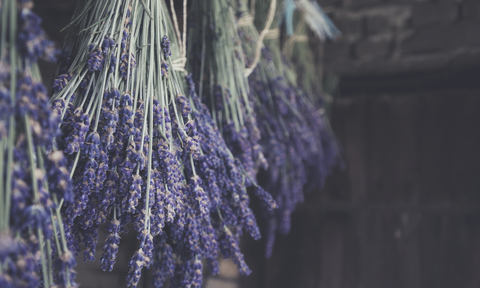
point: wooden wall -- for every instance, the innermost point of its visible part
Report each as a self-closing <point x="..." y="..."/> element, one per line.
<point x="405" y="213"/>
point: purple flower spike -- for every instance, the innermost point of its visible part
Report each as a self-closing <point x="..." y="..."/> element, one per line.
<point x="201" y="196"/>
<point x="184" y="105"/>
<point x="197" y="274"/>
<point x="231" y="250"/>
<point x="136" y="265"/>
<point x="61" y="81"/>
<point x="135" y="193"/>
<point x="164" y="264"/>
<point x="124" y="64"/>
<point x="110" y="249"/>
<point x="64" y="265"/>
<point x="146" y="246"/>
<point x="164" y="68"/>
<point x="96" y="60"/>
<point x="91" y="147"/>
<point x="266" y="198"/>
<point x="166" y="46"/>
<point x="32" y="42"/>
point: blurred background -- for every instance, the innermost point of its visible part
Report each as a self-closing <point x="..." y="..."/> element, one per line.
<point x="405" y="212"/>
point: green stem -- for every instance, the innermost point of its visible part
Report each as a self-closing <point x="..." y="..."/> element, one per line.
<point x="100" y="98"/>
<point x="31" y="158"/>
<point x="13" y="50"/>
<point x="86" y="9"/>
<point x="9" y="166"/>
<point x="60" y="224"/>
<point x="55" y="232"/>
<point x="62" y="235"/>
<point x="146" y="9"/>
<point x="119" y="41"/>
<point x="202" y="63"/>
<point x="131" y="48"/>
<point x="49" y="261"/>
<point x="3" y="40"/>
<point x="75" y="164"/>
<point x="41" y="164"/>
<point x="193" y="165"/>
<point x="150" y="128"/>
<point x="11" y="129"/>
<point x="149" y="172"/>
<point x="42" y="258"/>
<point x="92" y="81"/>
<point x="2" y="199"/>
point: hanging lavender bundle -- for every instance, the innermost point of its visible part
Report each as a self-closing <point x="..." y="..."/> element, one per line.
<point x="302" y="69"/>
<point x="300" y="150"/>
<point x="34" y="181"/>
<point x="216" y="60"/>
<point x="299" y="16"/>
<point x="288" y="141"/>
<point x="143" y="152"/>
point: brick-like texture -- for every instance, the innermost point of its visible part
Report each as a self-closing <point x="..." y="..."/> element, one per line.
<point x="400" y="36"/>
<point x="352" y="27"/>
<point x="373" y="48"/>
<point x="360" y="3"/>
<point x="445" y="37"/>
<point x="332" y="2"/>
<point x="434" y="12"/>
<point x="337" y="52"/>
<point x="469" y="58"/>
<point x="379" y="24"/>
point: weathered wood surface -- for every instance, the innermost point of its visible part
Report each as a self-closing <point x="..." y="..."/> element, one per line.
<point x="406" y="211"/>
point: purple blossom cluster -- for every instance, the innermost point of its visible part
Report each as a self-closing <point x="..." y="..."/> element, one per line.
<point x="187" y="209"/>
<point x="226" y="95"/>
<point x="34" y="175"/>
<point x="32" y="42"/>
<point x="134" y="150"/>
<point x="290" y="147"/>
<point x="19" y="264"/>
<point x="299" y="148"/>
<point x="143" y="153"/>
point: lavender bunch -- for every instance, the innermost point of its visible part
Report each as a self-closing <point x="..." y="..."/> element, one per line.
<point x="299" y="17"/>
<point x="34" y="180"/>
<point x="304" y="72"/>
<point x="300" y="149"/>
<point x="217" y="62"/>
<point x="142" y="151"/>
<point x="301" y="72"/>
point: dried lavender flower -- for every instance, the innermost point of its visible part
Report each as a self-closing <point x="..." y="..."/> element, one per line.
<point x="294" y="133"/>
<point x="142" y="151"/>
<point x="33" y="175"/>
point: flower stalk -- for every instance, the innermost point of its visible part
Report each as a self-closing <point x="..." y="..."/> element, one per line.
<point x="27" y="128"/>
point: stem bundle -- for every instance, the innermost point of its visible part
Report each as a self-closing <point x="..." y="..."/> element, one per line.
<point x="142" y="151"/>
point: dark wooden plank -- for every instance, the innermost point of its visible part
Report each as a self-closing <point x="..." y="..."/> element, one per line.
<point x="434" y="148"/>
<point x="398" y="215"/>
<point x="465" y="150"/>
<point x="437" y="80"/>
<point x="332" y="242"/>
<point x="351" y="113"/>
